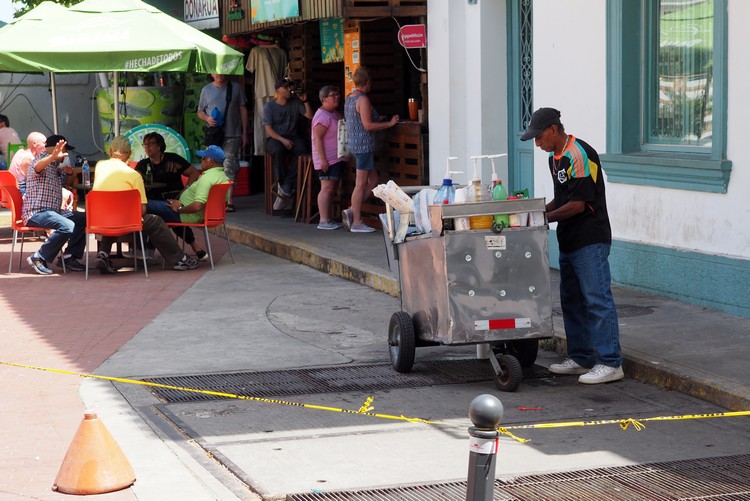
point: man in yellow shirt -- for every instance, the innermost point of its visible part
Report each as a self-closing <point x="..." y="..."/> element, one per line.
<point x="115" y="175"/>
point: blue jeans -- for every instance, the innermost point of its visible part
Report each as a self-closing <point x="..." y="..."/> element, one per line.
<point x="162" y="209"/>
<point x="71" y="230"/>
<point x="589" y="312"/>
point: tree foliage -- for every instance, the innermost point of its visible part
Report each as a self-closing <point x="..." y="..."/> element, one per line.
<point x="24" y="6"/>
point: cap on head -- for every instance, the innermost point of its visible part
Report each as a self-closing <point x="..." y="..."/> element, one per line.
<point x="540" y="120"/>
<point x="54" y="139"/>
<point x="213" y="152"/>
<point x="120" y="144"/>
<point x="284" y="82"/>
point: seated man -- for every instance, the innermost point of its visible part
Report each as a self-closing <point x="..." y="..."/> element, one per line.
<point x="284" y="139"/>
<point x="168" y="168"/>
<point x="41" y="207"/>
<point x="115" y="175"/>
<point x="189" y="207"/>
<point x="23" y="157"/>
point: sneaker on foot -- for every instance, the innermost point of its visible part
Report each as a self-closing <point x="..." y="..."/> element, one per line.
<point x="347" y="218"/>
<point x="186" y="263"/>
<point x="202" y="255"/>
<point x="601" y="374"/>
<point x="279" y="203"/>
<point x="329" y="225"/>
<point x="39" y="264"/>
<point x="568" y="366"/>
<point x="361" y="228"/>
<point x="71" y="264"/>
<point x="104" y="264"/>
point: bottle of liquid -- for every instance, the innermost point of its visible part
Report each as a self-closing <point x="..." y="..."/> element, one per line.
<point x="499" y="193"/>
<point x="461" y="223"/>
<point x="477" y="193"/>
<point x="86" y="173"/>
<point x="149" y="178"/>
<point x="447" y="192"/>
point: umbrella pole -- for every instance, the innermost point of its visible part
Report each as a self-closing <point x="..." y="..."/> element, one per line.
<point x="53" y="91"/>
<point x="116" y="90"/>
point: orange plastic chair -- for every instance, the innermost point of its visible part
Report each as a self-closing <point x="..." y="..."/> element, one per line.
<point x="12" y="195"/>
<point x="214" y="214"/>
<point x="6" y="179"/>
<point x="112" y="214"/>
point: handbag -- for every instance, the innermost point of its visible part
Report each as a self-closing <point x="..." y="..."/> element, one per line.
<point x="341" y="139"/>
<point x="214" y="135"/>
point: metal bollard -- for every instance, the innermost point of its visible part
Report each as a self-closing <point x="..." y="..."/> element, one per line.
<point x="485" y="412"/>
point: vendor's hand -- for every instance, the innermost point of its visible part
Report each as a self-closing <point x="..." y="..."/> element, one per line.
<point x="394" y="119"/>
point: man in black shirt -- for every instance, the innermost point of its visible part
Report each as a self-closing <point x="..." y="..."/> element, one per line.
<point x="584" y="237"/>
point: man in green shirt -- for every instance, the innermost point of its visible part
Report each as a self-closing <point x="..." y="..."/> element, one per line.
<point x="189" y="208"/>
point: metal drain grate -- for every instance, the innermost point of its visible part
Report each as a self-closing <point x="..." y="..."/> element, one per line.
<point x="623" y="311"/>
<point x="690" y="479"/>
<point x="329" y="380"/>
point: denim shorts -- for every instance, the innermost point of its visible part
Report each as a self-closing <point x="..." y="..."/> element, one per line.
<point x="334" y="172"/>
<point x="365" y="161"/>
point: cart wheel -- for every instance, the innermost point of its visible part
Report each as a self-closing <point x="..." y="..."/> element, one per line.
<point x="511" y="373"/>
<point x="401" y="341"/>
<point x="525" y="350"/>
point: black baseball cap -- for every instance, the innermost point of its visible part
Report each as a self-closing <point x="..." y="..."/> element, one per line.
<point x="540" y="120"/>
<point x="284" y="82"/>
<point x="54" y="139"/>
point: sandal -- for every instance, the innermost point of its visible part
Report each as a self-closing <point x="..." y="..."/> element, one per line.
<point x="231" y="208"/>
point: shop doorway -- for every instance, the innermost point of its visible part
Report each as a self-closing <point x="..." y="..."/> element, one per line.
<point x="520" y="94"/>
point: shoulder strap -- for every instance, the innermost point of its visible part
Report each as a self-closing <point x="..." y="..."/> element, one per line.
<point x="229" y="98"/>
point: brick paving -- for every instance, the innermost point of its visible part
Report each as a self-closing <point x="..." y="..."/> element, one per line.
<point x="64" y="322"/>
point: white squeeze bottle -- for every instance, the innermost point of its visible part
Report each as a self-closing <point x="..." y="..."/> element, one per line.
<point x="499" y="193"/>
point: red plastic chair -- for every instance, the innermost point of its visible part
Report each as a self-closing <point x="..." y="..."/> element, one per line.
<point x="12" y="195"/>
<point x="112" y="214"/>
<point x="214" y="214"/>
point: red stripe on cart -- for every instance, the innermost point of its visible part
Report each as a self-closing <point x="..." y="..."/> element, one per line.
<point x="502" y="323"/>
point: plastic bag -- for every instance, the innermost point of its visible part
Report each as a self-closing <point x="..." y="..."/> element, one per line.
<point x="392" y="194"/>
<point x="422" y="201"/>
<point x="341" y="139"/>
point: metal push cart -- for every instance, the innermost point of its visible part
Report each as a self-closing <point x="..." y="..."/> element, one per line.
<point x="472" y="287"/>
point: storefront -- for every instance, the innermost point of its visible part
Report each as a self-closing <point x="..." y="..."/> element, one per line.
<point x="322" y="42"/>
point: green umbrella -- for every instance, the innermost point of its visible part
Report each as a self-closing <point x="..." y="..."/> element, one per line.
<point x="110" y="35"/>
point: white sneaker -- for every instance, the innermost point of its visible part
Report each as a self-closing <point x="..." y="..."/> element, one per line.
<point x="568" y="366"/>
<point x="602" y="374"/>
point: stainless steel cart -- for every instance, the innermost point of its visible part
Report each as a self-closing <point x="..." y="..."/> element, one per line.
<point x="472" y="287"/>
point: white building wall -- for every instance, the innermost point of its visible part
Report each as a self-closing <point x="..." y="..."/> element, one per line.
<point x="709" y="223"/>
<point x="468" y="85"/>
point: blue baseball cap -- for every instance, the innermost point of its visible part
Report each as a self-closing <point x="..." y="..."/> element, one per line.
<point x="213" y="152"/>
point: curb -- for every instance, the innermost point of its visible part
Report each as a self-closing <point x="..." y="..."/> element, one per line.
<point x="314" y="257"/>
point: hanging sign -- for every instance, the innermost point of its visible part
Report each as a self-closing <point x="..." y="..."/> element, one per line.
<point x="332" y="40"/>
<point x="351" y="58"/>
<point x="272" y="10"/>
<point x="413" y="36"/>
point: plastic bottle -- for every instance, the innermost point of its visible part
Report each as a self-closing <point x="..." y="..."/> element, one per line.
<point x="86" y="173"/>
<point x="149" y="178"/>
<point x="499" y="193"/>
<point x="447" y="192"/>
<point x="477" y="193"/>
<point x="461" y="223"/>
<point x="514" y="219"/>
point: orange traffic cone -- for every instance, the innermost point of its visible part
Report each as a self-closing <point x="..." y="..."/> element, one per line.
<point x="94" y="463"/>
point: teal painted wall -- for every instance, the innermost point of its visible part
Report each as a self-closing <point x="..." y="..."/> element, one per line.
<point x="715" y="282"/>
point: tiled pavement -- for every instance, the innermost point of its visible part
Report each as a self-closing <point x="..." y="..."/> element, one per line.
<point x="64" y="322"/>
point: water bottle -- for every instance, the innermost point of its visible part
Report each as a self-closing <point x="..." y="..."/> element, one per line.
<point x="499" y="193"/>
<point x="446" y="194"/>
<point x="86" y="171"/>
<point x="149" y="175"/>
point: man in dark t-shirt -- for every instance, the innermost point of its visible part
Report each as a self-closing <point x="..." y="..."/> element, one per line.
<point x="584" y="236"/>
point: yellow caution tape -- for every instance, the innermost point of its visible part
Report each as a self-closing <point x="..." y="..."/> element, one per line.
<point x="366" y="408"/>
